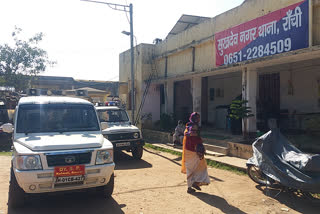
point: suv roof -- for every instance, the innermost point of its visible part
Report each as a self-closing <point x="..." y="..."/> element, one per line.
<point x="107" y="108"/>
<point x="51" y="100"/>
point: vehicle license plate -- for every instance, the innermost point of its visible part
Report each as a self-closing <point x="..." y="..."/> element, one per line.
<point x="123" y="144"/>
<point x="66" y="171"/>
<point x="69" y="179"/>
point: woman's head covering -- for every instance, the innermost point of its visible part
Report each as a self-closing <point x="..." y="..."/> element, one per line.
<point x="193" y="126"/>
<point x="193" y="118"/>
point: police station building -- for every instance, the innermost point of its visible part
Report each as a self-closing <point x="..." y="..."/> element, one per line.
<point x="265" y="51"/>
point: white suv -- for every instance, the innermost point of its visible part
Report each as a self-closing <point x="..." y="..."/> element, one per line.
<point x="58" y="146"/>
<point x="122" y="134"/>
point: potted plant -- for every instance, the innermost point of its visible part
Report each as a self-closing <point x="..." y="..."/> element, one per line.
<point x="238" y="111"/>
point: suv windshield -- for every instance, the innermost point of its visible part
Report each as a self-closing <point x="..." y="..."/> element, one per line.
<point x="37" y="118"/>
<point x="113" y="115"/>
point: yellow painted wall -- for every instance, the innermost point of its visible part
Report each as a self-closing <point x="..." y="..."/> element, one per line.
<point x="160" y="66"/>
<point x="142" y="64"/>
<point x="316" y="22"/>
<point x="142" y="69"/>
<point x="205" y="56"/>
<point x="180" y="63"/>
<point x="124" y="66"/>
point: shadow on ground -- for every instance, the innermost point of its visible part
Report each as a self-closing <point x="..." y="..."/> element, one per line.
<point x="151" y="188"/>
<point x="294" y="201"/>
<point x="125" y="161"/>
<point x="5" y="142"/>
<point x="177" y="161"/>
<point x="70" y="203"/>
<point x="174" y="160"/>
<point x="218" y="202"/>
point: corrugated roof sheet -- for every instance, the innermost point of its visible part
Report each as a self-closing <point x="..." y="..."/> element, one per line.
<point x="185" y="22"/>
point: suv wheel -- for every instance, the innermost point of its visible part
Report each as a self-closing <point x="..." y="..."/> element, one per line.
<point x="107" y="190"/>
<point x="137" y="152"/>
<point x="16" y="196"/>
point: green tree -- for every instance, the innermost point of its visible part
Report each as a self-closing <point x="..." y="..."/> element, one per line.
<point x="21" y="61"/>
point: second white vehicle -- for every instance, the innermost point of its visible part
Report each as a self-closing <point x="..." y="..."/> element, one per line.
<point x="122" y="134"/>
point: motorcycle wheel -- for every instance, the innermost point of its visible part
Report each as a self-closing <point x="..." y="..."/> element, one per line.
<point x="257" y="175"/>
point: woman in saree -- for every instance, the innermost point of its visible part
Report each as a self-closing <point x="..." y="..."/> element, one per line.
<point x="193" y="162"/>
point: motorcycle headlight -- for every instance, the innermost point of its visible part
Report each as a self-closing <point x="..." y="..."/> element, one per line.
<point x="104" y="156"/>
<point x="136" y="135"/>
<point x="29" y="162"/>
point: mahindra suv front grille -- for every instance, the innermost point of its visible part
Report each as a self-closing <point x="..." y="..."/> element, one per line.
<point x="120" y="136"/>
<point x="68" y="159"/>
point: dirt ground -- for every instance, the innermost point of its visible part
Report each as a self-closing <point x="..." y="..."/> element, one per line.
<point x="155" y="185"/>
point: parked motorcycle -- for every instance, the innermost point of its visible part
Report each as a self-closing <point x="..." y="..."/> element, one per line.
<point x="276" y="162"/>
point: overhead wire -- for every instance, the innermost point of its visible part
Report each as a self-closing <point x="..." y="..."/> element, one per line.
<point x="110" y="79"/>
<point x="127" y="13"/>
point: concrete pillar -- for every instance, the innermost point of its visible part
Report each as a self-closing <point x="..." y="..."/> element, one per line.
<point x="169" y="93"/>
<point x="249" y="93"/>
<point x="196" y="94"/>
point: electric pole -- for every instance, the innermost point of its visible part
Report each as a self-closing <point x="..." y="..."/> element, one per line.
<point x="125" y="8"/>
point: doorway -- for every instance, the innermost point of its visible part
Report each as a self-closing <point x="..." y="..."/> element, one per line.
<point x="183" y="105"/>
<point x="268" y="104"/>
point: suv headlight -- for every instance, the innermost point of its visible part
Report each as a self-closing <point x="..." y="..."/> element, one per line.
<point x="136" y="135"/>
<point x="29" y="162"/>
<point x="104" y="156"/>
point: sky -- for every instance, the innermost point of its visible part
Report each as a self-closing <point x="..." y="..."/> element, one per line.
<point x="85" y="38"/>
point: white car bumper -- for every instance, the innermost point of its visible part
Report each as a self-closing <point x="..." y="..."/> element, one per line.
<point x="41" y="181"/>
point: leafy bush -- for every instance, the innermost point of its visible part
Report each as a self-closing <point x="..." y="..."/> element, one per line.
<point x="239" y="109"/>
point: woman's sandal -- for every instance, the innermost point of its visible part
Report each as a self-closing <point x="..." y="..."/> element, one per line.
<point x="190" y="190"/>
<point x="194" y="185"/>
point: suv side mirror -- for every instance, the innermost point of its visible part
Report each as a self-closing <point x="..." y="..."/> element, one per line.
<point x="104" y="125"/>
<point x="8" y="128"/>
